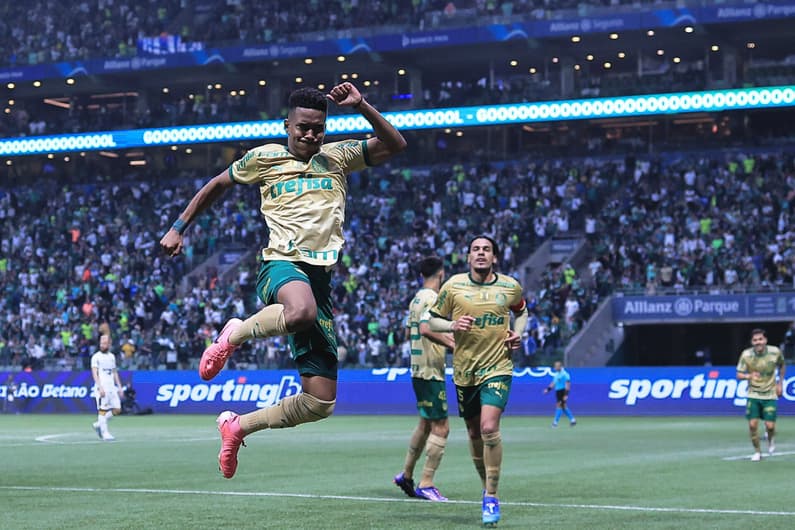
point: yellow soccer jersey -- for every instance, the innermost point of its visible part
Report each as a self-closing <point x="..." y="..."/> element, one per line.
<point x="480" y="353"/>
<point x="427" y="357"/>
<point x="766" y="364"/>
<point x="303" y="203"/>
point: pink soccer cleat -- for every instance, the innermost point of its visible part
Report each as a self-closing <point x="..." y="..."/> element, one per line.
<point x="215" y="356"/>
<point x="231" y="440"/>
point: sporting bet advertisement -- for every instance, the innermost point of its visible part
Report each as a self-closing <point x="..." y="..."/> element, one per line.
<point x="670" y="391"/>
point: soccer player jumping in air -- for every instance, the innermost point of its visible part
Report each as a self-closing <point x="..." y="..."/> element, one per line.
<point x="302" y="189"/>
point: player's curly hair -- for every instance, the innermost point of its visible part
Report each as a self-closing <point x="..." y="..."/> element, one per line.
<point x="308" y="98"/>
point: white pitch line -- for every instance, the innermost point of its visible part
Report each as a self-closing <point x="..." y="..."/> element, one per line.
<point x="56" y="439"/>
<point x="764" y="456"/>
<point x="389" y="499"/>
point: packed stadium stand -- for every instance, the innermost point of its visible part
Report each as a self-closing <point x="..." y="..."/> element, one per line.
<point x="105" y="28"/>
<point x="660" y="203"/>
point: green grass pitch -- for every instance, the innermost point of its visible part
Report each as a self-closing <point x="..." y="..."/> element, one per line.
<point x="604" y="473"/>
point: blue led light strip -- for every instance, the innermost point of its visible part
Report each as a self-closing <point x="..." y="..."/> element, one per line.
<point x="575" y="109"/>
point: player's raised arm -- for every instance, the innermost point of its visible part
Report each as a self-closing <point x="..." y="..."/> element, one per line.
<point x="388" y="141"/>
<point x="171" y="242"/>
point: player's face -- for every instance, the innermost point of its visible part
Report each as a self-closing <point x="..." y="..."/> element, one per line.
<point x="104" y="343"/>
<point x="306" y="129"/>
<point x="558" y="366"/>
<point x="481" y="255"/>
<point x="759" y="342"/>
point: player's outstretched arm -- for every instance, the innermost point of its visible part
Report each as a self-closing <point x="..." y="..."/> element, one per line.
<point x="388" y="141"/>
<point x="171" y="242"/>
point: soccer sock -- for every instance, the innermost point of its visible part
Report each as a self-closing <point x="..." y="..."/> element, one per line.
<point x="103" y="422"/>
<point x="434" y="451"/>
<point x="755" y="440"/>
<point x="476" y="450"/>
<point x="770" y="434"/>
<point x="268" y="322"/>
<point x="418" y="439"/>
<point x="558" y="413"/>
<point x="492" y="458"/>
<point x="289" y="412"/>
<point x="568" y="414"/>
<point x="108" y="416"/>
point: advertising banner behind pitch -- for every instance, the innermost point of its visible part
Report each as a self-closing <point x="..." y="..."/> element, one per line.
<point x="670" y="391"/>
<point x="51" y="391"/>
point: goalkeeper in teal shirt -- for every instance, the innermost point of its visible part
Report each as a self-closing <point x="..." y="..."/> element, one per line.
<point x="561" y="384"/>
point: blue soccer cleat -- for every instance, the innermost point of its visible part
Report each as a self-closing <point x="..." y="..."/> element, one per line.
<point x="406" y="484"/>
<point x="430" y="493"/>
<point x="491" y="511"/>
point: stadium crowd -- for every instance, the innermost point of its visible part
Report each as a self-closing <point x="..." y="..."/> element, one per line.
<point x="101" y="260"/>
<point x="68" y="274"/>
<point x="66" y="31"/>
<point x="113" y="27"/>
<point x="702" y="223"/>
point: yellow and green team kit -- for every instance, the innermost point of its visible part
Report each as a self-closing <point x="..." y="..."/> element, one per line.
<point x="765" y="364"/>
<point x="303" y="202"/>
<point x="480" y="353"/>
<point x="427" y="357"/>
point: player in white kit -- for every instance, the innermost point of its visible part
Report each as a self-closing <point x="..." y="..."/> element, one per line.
<point x="108" y="388"/>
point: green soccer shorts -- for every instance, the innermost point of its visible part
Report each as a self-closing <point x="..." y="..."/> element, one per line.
<point x="493" y="392"/>
<point x="431" y="398"/>
<point x="764" y="409"/>
<point x="314" y="350"/>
